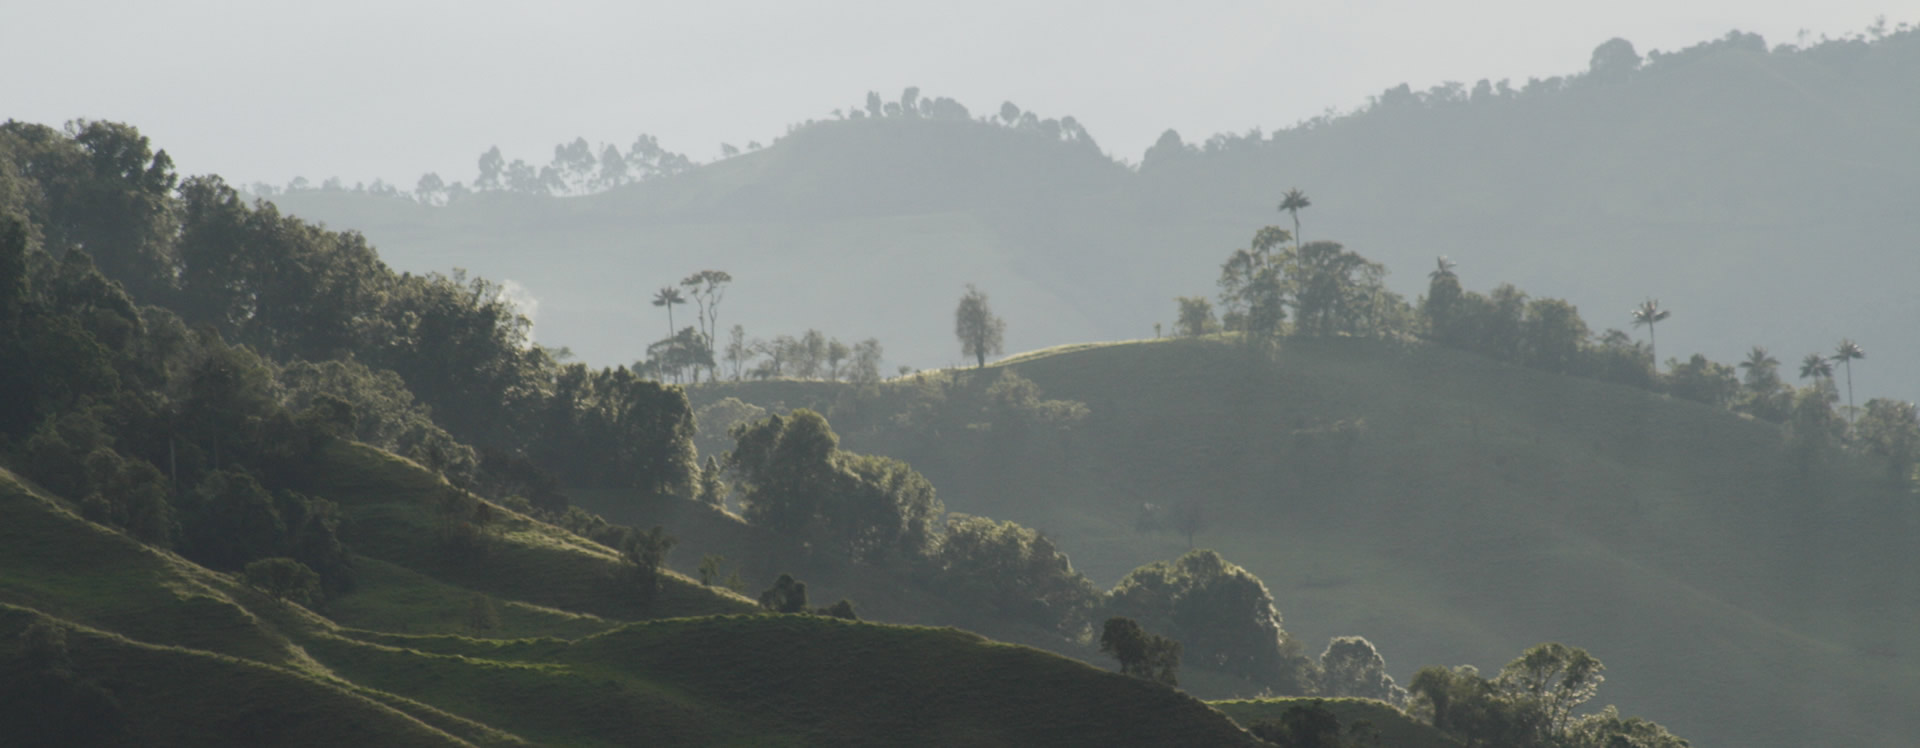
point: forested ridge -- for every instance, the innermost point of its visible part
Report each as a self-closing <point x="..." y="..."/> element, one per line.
<point x="1649" y="174"/>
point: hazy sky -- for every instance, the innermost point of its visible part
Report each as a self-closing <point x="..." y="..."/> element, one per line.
<point x="383" y="88"/>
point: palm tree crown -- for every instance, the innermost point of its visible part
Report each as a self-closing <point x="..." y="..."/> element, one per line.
<point x="1293" y="202"/>
<point x="1760" y="368"/>
<point x="667" y="297"/>
<point x="1443" y="268"/>
<point x="1649" y="313"/>
<point x="1815" y="366"/>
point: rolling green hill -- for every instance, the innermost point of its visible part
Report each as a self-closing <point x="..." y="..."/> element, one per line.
<point x="1455" y="509"/>
<point x="186" y="656"/>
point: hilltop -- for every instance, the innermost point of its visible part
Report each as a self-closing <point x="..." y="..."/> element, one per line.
<point x="1705" y="177"/>
<point x="1453" y="509"/>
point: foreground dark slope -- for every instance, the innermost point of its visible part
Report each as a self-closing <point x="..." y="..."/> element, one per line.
<point x="194" y="657"/>
<point x="1721" y="180"/>
<point x="1480" y="509"/>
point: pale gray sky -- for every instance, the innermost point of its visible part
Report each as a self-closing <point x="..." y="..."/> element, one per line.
<point x="377" y="88"/>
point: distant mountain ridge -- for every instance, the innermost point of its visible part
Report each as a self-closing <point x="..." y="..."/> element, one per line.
<point x="1738" y="184"/>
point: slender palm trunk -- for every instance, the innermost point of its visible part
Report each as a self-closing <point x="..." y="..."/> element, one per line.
<point x="1653" y="336"/>
<point x="1296" y="231"/>
<point x="1849" y="392"/>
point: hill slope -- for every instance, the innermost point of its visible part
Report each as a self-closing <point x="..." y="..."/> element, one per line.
<point x="1710" y="178"/>
<point x="1451" y="508"/>
<point x="182" y="655"/>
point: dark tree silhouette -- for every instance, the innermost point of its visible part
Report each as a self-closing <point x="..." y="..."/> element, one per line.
<point x="1845" y="353"/>
<point x="978" y="329"/>
<point x="668" y="296"/>
<point x="1816" y="366"/>
<point x="1293" y="203"/>
<point x="1650" y="314"/>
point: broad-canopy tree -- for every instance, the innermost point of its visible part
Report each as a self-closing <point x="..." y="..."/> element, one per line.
<point x="1253" y="289"/>
<point x="1013" y="570"/>
<point x="1196" y="316"/>
<point x="1221" y="614"/>
<point x="794" y="478"/>
<point x="1334" y="290"/>
<point x="980" y="332"/>
<point x="1351" y="667"/>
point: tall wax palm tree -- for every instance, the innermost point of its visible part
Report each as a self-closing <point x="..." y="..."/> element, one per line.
<point x="1650" y="314"/>
<point x="1845" y="353"/>
<point x="1760" y="369"/>
<point x="667" y="297"/>
<point x="1815" y="366"/>
<point x="1293" y="202"/>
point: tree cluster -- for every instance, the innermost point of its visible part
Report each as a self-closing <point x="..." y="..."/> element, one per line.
<point x="1531" y="702"/>
<point x="576" y="168"/>
<point x="141" y="330"/>
<point x="1222" y="615"/>
<point x="1327" y="290"/>
<point x="1142" y="654"/>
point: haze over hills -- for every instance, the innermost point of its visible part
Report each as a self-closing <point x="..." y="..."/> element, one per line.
<point x="1722" y="179"/>
<point x="1451" y="508"/>
<point x="243" y="449"/>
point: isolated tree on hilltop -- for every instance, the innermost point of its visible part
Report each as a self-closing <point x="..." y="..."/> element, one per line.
<point x="1294" y="202"/>
<point x="1650" y="314"/>
<point x="1845" y="353"/>
<point x="979" y="330"/>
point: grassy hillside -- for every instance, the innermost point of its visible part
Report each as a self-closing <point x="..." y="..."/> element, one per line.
<point x="782" y="680"/>
<point x="1453" y="509"/>
<point x="188" y="656"/>
<point x="1390" y="725"/>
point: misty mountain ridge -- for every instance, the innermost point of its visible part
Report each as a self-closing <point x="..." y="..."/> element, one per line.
<point x="1714" y="179"/>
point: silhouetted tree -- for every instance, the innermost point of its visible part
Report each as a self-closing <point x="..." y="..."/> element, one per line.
<point x="1351" y="667"/>
<point x="787" y="595"/>
<point x="1816" y="367"/>
<point x="1141" y="654"/>
<point x="668" y="296"/>
<point x="1196" y="316"/>
<point x="1846" y="353"/>
<point x="1650" y="314"/>
<point x="1294" y="202"/>
<point x="980" y="332"/>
